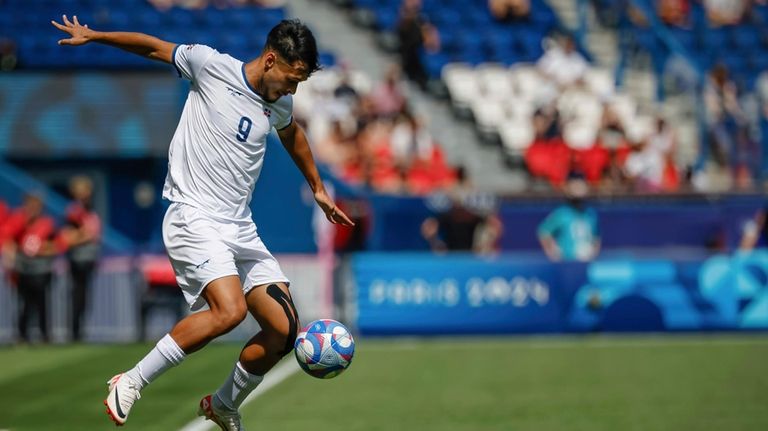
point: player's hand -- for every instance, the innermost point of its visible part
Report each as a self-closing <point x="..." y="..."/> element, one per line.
<point x="332" y="212"/>
<point x="81" y="34"/>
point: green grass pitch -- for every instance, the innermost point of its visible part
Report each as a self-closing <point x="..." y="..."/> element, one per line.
<point x="717" y="382"/>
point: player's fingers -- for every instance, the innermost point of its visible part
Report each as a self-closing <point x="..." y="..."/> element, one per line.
<point x="65" y="42"/>
<point x="66" y="21"/>
<point x="341" y="217"/>
<point x="59" y="26"/>
<point x="74" y="19"/>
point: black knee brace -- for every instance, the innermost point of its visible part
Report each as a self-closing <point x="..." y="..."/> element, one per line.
<point x="290" y="312"/>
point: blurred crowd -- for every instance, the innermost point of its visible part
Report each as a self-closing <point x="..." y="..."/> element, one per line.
<point x="582" y="129"/>
<point x="368" y="134"/>
<point x="678" y="12"/>
<point x="31" y="239"/>
<point x="219" y="4"/>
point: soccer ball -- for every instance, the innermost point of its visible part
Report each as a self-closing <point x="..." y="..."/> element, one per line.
<point x="324" y="348"/>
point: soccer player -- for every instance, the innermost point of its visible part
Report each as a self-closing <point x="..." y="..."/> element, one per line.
<point x="215" y="158"/>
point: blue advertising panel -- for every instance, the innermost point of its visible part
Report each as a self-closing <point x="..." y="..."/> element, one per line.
<point x="426" y="294"/>
<point x="402" y="294"/>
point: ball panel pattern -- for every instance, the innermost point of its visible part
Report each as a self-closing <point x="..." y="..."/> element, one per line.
<point x="324" y="348"/>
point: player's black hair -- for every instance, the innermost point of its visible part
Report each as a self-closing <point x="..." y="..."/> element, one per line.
<point x="293" y="41"/>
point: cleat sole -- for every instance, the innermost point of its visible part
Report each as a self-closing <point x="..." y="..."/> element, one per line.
<point x="112" y="416"/>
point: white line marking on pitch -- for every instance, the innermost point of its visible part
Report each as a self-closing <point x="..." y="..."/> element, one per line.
<point x="272" y="379"/>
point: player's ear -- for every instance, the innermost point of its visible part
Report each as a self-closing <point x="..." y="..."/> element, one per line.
<point x="269" y="60"/>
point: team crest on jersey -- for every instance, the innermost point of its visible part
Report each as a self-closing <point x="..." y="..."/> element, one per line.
<point x="267" y="112"/>
<point x="190" y="46"/>
<point x="234" y="92"/>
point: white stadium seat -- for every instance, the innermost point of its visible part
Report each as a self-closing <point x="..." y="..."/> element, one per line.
<point x="600" y="82"/>
<point x="489" y="114"/>
<point x="516" y="136"/>
<point x="579" y="135"/>
<point x="495" y="81"/>
<point x="462" y="84"/>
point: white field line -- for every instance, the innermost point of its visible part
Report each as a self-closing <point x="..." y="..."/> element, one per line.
<point x="273" y="378"/>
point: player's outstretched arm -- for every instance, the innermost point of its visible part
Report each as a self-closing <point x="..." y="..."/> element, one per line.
<point x="295" y="142"/>
<point x="137" y="43"/>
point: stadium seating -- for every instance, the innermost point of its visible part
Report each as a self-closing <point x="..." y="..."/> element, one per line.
<point x="741" y="47"/>
<point x="469" y="34"/>
<point x="27" y="24"/>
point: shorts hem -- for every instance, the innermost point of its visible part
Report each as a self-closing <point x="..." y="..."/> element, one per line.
<point x="198" y="302"/>
<point x="246" y="290"/>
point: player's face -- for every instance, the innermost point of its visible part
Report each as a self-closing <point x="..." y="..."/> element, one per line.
<point x="282" y="78"/>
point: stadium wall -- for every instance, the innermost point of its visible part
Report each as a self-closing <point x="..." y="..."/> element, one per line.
<point x="698" y="221"/>
<point x="424" y="294"/>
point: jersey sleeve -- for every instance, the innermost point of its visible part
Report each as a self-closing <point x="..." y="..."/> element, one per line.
<point x="285" y="113"/>
<point x="190" y="59"/>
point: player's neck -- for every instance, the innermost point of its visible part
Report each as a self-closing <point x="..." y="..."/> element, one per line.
<point x="254" y="73"/>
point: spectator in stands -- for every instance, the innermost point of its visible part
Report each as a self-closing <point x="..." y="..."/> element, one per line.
<point x="755" y="231"/>
<point x="81" y="234"/>
<point x="571" y="232"/>
<point x="387" y="97"/>
<point x="562" y="62"/>
<point x="410" y="140"/>
<point x="465" y="224"/>
<point x="651" y="165"/>
<point x="674" y="12"/>
<point x="725" y="12"/>
<point x="726" y="122"/>
<point x="509" y="10"/>
<point x="338" y="147"/>
<point x="415" y="34"/>
<point x="345" y="91"/>
<point x="612" y="137"/>
<point x="162" y="5"/>
<point x="28" y="249"/>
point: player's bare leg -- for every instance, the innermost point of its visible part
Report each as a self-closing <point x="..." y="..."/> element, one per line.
<point x="227" y="309"/>
<point x="271" y="305"/>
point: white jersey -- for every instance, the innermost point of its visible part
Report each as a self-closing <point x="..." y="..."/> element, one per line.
<point x="218" y="148"/>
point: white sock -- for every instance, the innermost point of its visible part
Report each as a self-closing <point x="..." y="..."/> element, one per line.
<point x="238" y="385"/>
<point x="165" y="355"/>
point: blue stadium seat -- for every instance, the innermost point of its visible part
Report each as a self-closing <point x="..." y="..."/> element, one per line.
<point x="449" y="43"/>
<point x="686" y="38"/>
<point x="745" y="37"/>
<point x="433" y="63"/>
<point x="148" y="21"/>
<point x="327" y="59"/>
<point x="447" y="18"/>
<point x="735" y="61"/>
<point x="386" y="19"/>
<point x="366" y="4"/>
<point x="181" y="19"/>
<point x="714" y="39"/>
<point x="759" y="63"/>
<point x="271" y="16"/>
<point x="530" y="46"/>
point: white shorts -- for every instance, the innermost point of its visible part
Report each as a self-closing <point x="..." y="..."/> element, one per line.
<point x="203" y="248"/>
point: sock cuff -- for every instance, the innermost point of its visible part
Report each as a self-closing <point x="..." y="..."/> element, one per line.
<point x="170" y="350"/>
<point x="243" y="376"/>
